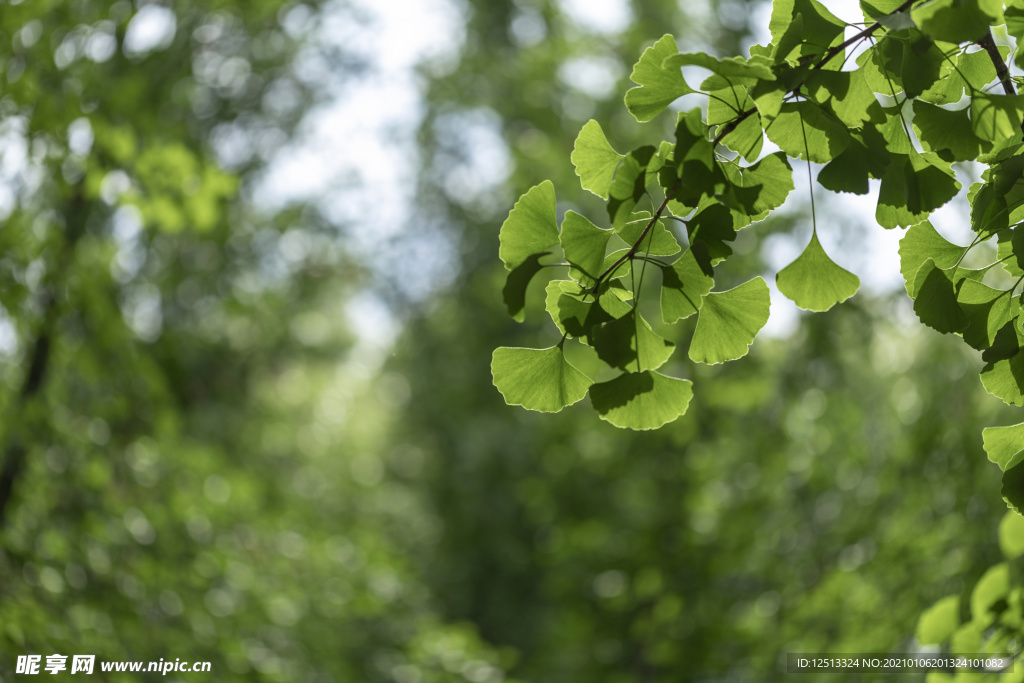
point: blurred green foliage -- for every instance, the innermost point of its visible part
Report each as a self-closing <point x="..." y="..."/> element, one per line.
<point x="213" y="465"/>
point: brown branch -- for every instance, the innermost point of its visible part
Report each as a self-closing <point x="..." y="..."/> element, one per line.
<point x="730" y="127"/>
<point x="997" y="61"/>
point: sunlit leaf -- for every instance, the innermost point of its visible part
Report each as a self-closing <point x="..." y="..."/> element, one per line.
<point x="644" y="400"/>
<point x="729" y="321"/>
<point x="537" y="379"/>
<point x="659" y="86"/>
<point x="531" y="226"/>
<point x="629" y="343"/>
<point x="594" y="159"/>
<point x="583" y="243"/>
<point x="814" y="281"/>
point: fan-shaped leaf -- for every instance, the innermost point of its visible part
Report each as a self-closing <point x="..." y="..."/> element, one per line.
<point x="729" y="321"/>
<point x="595" y="160"/>
<point x="629" y="343"/>
<point x="531" y="226"/>
<point x="583" y="243"/>
<point x="659" y="86"/>
<point x="537" y="379"/>
<point x="814" y="281"/>
<point x="644" y="400"/>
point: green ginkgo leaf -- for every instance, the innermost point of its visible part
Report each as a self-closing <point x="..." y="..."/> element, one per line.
<point x="996" y="117"/>
<point x="1013" y="489"/>
<point x="938" y="622"/>
<point x="685" y="284"/>
<point x="987" y="309"/>
<point x="814" y="281"/>
<point x="659" y="86"/>
<point x="583" y="243"/>
<point x="531" y="226"/>
<point x="948" y="133"/>
<point x="576" y="313"/>
<point x="935" y="299"/>
<point x="1005" y="379"/>
<point x="923" y="242"/>
<point x="641" y="401"/>
<point x="826" y="137"/>
<point x="537" y="379"/>
<point x="735" y="69"/>
<point x="629" y="184"/>
<point x="658" y="241"/>
<point x="913" y="186"/>
<point x="518" y="279"/>
<point x="629" y="343"/>
<point x="729" y="321"/>
<point x="595" y="160"/>
<point x="846" y="93"/>
<point x="820" y="27"/>
<point x="957" y="21"/>
<point x="1004" y="445"/>
<point x="745" y="137"/>
<point x="760" y="187"/>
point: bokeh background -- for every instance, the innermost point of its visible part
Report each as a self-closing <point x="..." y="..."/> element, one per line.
<point x="249" y="290"/>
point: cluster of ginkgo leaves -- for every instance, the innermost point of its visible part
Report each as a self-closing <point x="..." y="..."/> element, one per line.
<point x="901" y="97"/>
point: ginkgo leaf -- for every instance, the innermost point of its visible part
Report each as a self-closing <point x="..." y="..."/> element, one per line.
<point x="989" y="211"/>
<point x="576" y="313"/>
<point x="641" y="401"/>
<point x="923" y="242"/>
<point x="629" y="343"/>
<point x="758" y="188"/>
<point x="583" y="243"/>
<point x="996" y="117"/>
<point x="659" y="86"/>
<point x="658" y="241"/>
<point x="950" y="132"/>
<point x="957" y="21"/>
<point x="820" y="27"/>
<point x="685" y="284"/>
<point x="913" y="186"/>
<point x="826" y="137"/>
<point x="537" y="379"/>
<point x="864" y="158"/>
<point x="746" y="137"/>
<point x="514" y="292"/>
<point x="595" y="160"/>
<point x="736" y="69"/>
<point x="846" y="93"/>
<point x="531" y="226"/>
<point x="987" y="311"/>
<point x="923" y="61"/>
<point x="1004" y="445"/>
<point x="729" y="321"/>
<point x="629" y="184"/>
<point x="712" y="227"/>
<point x="1013" y="489"/>
<point x="938" y="622"/>
<point x="935" y="299"/>
<point x="814" y="281"/>
<point x="1005" y="379"/>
